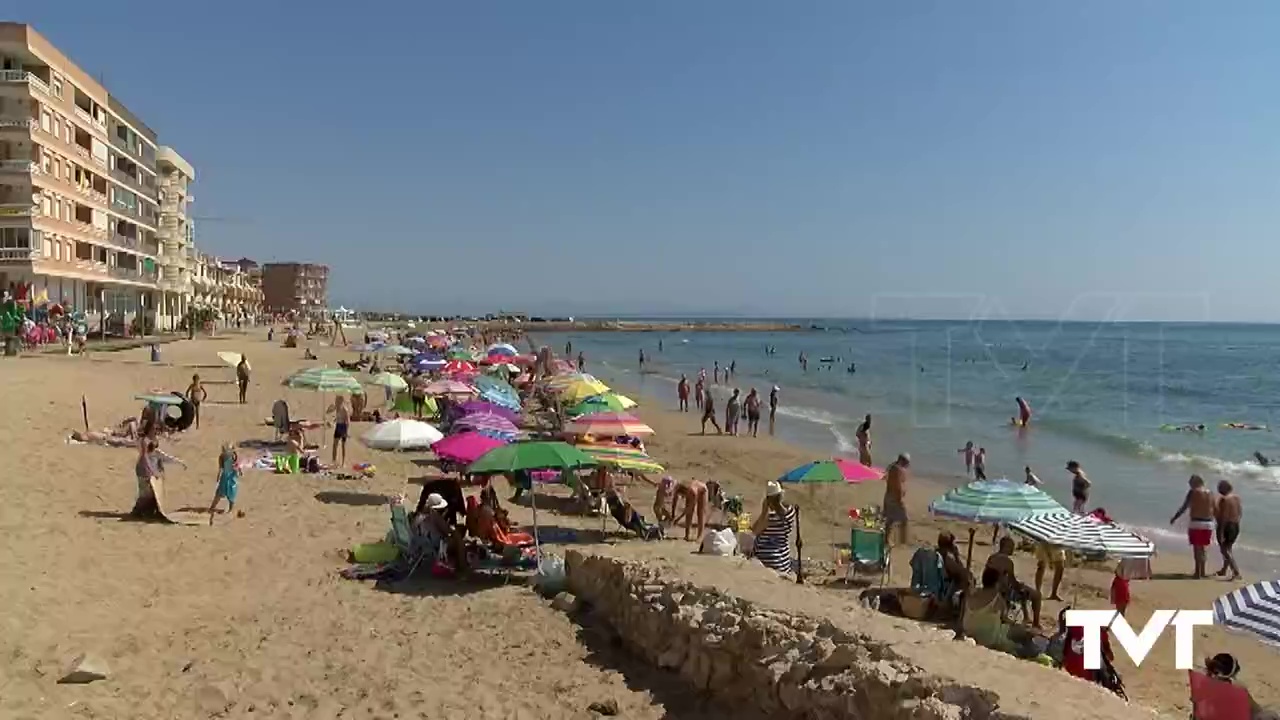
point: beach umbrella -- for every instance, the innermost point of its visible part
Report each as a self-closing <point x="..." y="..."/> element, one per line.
<point x="158" y="399"/>
<point x="398" y="350"/>
<point x="402" y="435"/>
<point x="608" y="402"/>
<point x="512" y="458"/>
<point x="465" y="447"/>
<point x="488" y="423"/>
<point x="581" y="390"/>
<point x="232" y="358"/>
<point x="557" y="383"/>
<point x="498" y="392"/>
<point x="459" y="353"/>
<point x="994" y="501"/>
<point x="608" y="424"/>
<point x="622" y="457"/>
<point x="503" y="367"/>
<point x="832" y="471"/>
<point x="389" y="380"/>
<point x="1085" y="534"/>
<point x="459" y="366"/>
<point x="1254" y="609"/>
<point x="502" y="349"/>
<point x="447" y="387"/>
<point x="323" y="379"/>
<point x="366" y="347"/>
<point x="472" y="407"/>
<point x="428" y="364"/>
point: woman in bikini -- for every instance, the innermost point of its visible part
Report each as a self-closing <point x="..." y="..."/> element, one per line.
<point x="694" y="493"/>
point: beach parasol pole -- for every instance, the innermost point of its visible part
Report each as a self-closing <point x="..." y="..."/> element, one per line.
<point x="84" y="410"/>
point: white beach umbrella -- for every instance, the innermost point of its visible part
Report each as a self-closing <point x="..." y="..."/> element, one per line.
<point x="402" y="435"/>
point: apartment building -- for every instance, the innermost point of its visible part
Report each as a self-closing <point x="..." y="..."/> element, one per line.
<point x="176" y="234"/>
<point x="79" y="192"/>
<point x="300" y="288"/>
<point x="233" y="288"/>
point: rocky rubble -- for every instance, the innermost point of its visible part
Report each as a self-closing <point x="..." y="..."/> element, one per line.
<point x="784" y="665"/>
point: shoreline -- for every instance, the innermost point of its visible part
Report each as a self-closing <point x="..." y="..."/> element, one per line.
<point x="742" y="465"/>
<point x="598" y="325"/>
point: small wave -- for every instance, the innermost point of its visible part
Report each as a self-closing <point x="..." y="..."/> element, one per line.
<point x="1218" y="466"/>
<point x="813" y="415"/>
<point x="1171" y="536"/>
<point x="844" y="446"/>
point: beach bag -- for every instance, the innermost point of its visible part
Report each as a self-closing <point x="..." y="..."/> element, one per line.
<point x="720" y="542"/>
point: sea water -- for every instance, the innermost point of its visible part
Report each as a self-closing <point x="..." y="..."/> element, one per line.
<point x="1111" y="396"/>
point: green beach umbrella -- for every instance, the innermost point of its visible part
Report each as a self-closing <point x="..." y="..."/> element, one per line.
<point x="531" y="456"/>
<point x="159" y="399"/>
<point x="608" y="402"/>
<point x="389" y="380"/>
<point x="322" y="379"/>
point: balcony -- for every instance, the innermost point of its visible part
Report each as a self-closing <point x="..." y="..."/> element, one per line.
<point x="25" y="123"/>
<point x="18" y="209"/>
<point x="90" y="120"/>
<point x="22" y="76"/>
<point x="18" y="255"/>
<point x="124" y="241"/>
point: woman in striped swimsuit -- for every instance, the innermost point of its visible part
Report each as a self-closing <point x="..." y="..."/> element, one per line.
<point x="773" y="530"/>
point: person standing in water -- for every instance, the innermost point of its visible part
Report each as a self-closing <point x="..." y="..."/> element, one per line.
<point x="682" y="393"/>
<point x="752" y="406"/>
<point x="733" y="368"/>
<point x="699" y="388"/>
<point x="568" y="349"/>
<point x="715" y="373"/>
<point x="773" y="406"/>
<point x="641" y="359"/>
<point x="1024" y="412"/>
<point x="1200" y="504"/>
<point x="864" y="440"/>
<point x="1228" y="512"/>
<point x="1080" y="487"/>
<point x="582" y="361"/>
<point x="659" y="344"/>
<point x="980" y="464"/>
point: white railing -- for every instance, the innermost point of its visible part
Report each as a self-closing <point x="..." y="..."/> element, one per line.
<point x="12" y="76"/>
<point x="100" y="162"/>
<point x="27" y="123"/>
<point x="18" y="254"/>
<point x="39" y="84"/>
<point x="84" y="115"/>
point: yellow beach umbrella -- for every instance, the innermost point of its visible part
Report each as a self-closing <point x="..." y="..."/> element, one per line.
<point x="581" y="390"/>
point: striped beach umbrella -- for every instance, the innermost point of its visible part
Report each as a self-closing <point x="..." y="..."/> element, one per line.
<point x="489" y="423"/>
<point x="1086" y="534"/>
<point x="503" y="349"/>
<point x="622" y="457"/>
<point x="323" y="379"/>
<point x="995" y="501"/>
<point x="832" y="471"/>
<point x="456" y="366"/>
<point x="447" y="387"/>
<point x="389" y="380"/>
<point x="608" y="424"/>
<point x="472" y="407"/>
<point x="1254" y="609"/>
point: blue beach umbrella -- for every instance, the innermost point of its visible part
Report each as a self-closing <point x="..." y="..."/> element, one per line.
<point x="994" y="502"/>
<point x="497" y="392"/>
<point x="1254" y="609"/>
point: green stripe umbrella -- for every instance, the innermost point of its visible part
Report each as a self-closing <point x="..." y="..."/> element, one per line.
<point x="531" y="456"/>
<point x="994" y="501"/>
<point x="324" y="379"/>
<point x="389" y="380"/>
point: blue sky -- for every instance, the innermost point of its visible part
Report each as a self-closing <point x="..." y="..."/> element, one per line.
<point x="830" y="158"/>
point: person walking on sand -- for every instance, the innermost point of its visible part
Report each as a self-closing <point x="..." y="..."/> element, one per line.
<point x="196" y="394"/>
<point x="1080" y="486"/>
<point x="732" y="408"/>
<point x="709" y="412"/>
<point x="699" y="388"/>
<point x="1200" y="530"/>
<point x="228" y="480"/>
<point x="682" y="392"/>
<point x="773" y="407"/>
<point x="1229" y="511"/>
<point x="863" y="435"/>
<point x="895" y="497"/>
<point x="752" y="406"/>
<point x="242" y="378"/>
<point x="582" y="361"/>
<point x="341" y="427"/>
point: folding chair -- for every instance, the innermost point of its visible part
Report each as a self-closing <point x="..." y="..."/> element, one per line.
<point x="412" y="549"/>
<point x="869" y="552"/>
<point x="1213" y="699"/>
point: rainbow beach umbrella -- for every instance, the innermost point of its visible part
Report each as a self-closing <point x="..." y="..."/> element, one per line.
<point x="832" y="471"/>
<point x="608" y="424"/>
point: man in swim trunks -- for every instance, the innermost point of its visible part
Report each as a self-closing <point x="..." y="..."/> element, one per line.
<point x="895" y="496"/>
<point x="1199" y="502"/>
<point x="709" y="412"/>
<point x="773" y="407"/>
<point x="1080" y="487"/>
<point x="1229" y="511"/>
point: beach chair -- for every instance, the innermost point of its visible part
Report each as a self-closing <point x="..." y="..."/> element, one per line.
<point x="413" y="550"/>
<point x="868" y="552"/>
<point x="927" y="577"/>
<point x="1213" y="699"/>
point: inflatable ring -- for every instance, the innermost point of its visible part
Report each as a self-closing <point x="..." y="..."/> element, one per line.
<point x="185" y="419"/>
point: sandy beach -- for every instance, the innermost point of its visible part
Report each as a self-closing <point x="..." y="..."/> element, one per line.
<point x="249" y="618"/>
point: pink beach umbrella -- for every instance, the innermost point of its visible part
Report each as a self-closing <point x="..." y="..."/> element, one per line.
<point x="607" y="424"/>
<point x="856" y="472"/>
<point x="488" y="422"/>
<point x="448" y="387"/>
<point x="465" y="447"/>
<point x="474" y="407"/>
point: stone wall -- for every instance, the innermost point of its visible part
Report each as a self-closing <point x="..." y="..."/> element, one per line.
<point x="758" y="660"/>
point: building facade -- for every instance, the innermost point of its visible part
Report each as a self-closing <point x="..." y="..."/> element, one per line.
<point x="228" y="288"/>
<point x="79" y="210"/>
<point x="301" y="288"/>
<point x="177" y="238"/>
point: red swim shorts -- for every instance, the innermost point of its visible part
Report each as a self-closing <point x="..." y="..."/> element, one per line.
<point x="1200" y="537"/>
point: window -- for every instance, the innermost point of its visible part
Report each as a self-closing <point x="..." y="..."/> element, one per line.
<point x="57" y="251"/>
<point x="56" y="85"/>
<point x="57" y="208"/>
<point x="45" y="162"/>
<point x="48" y="247"/>
<point x="46" y="122"/>
<point x="67" y="131"/>
<point x="68" y="170"/>
<point x="57" y="167"/>
<point x="45" y="204"/>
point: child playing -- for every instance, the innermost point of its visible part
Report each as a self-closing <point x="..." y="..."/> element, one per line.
<point x="967" y="450"/>
<point x="341" y="426"/>
<point x="196" y="394"/>
<point x="980" y="464"/>
<point x="1120" y="589"/>
<point x="228" y="478"/>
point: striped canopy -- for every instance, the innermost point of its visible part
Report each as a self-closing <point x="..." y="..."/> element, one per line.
<point x="608" y="424"/>
<point x="608" y="402"/>
<point x="488" y="423"/>
<point x="503" y="349"/>
<point x="498" y="392"/>
<point x="322" y="379"/>
<point x="622" y="457"/>
<point x="459" y="366"/>
<point x="1084" y="533"/>
<point x="1254" y="609"/>
<point x="447" y="387"/>
<point x="995" y="501"/>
